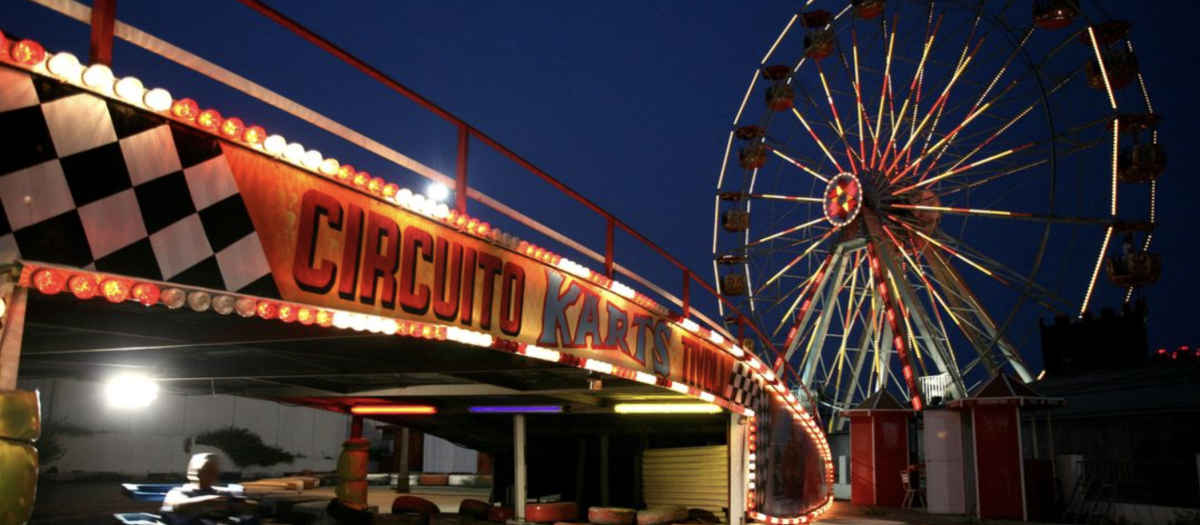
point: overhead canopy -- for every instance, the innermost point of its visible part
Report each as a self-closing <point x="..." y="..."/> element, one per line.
<point x="201" y="353"/>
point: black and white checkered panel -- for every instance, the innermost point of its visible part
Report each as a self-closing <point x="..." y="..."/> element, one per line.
<point x="96" y="184"/>
<point x="742" y="388"/>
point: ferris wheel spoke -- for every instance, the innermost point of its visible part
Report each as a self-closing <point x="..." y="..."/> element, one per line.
<point x="798" y="258"/>
<point x="934" y="340"/>
<point x="796" y="163"/>
<point x="790" y="198"/>
<point x="841" y="132"/>
<point x="999" y="101"/>
<point x="935" y="111"/>
<point x="1014" y="280"/>
<point x="860" y="113"/>
<point x="970" y="185"/>
<point x="931" y="30"/>
<point x="1001" y="214"/>
<point x="949" y="250"/>
<point x="1008" y="123"/>
<point x="978" y="108"/>
<point x="885" y="89"/>
<point x="963" y="168"/>
<point x="818" y="140"/>
<point x="995" y="340"/>
<point x="788" y="231"/>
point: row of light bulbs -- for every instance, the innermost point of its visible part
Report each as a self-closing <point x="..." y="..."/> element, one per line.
<point x="101" y="79"/>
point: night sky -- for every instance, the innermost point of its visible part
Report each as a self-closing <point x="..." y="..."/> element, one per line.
<point x="629" y="103"/>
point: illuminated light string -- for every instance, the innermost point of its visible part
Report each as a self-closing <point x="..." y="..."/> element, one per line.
<point x="99" y="79"/>
<point x="1087" y="298"/>
<point x="1112" y="99"/>
<point x="952" y="251"/>
<point x="797" y="163"/>
<point x="88" y="285"/>
<point x="817" y="140"/>
<point x="898" y="339"/>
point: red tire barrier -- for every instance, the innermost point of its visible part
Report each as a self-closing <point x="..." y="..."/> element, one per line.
<point x="662" y="515"/>
<point x="422" y="506"/>
<point x="611" y="515"/>
<point x="551" y="512"/>
<point x="500" y="514"/>
<point x="474" y="508"/>
<point x="434" y="479"/>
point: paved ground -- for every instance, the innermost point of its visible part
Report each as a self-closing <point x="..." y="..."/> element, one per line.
<point x="94" y="502"/>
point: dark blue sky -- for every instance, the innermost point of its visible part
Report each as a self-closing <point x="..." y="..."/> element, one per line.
<point x="627" y="102"/>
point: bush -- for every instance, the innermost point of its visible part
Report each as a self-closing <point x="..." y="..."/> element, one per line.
<point x="50" y="445"/>
<point x="244" y="447"/>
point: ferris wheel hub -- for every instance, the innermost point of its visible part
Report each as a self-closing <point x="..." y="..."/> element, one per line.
<point x="843" y="199"/>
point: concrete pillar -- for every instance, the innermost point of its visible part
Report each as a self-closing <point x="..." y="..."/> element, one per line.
<point x="519" y="485"/>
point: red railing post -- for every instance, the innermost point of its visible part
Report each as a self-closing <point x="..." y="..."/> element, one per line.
<point x="461" y="187"/>
<point x="104" y="18"/>
<point x="687" y="293"/>
<point x="460" y="182"/>
<point x="608" y="250"/>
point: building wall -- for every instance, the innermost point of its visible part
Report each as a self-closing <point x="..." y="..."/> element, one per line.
<point x="443" y="456"/>
<point x="152" y="440"/>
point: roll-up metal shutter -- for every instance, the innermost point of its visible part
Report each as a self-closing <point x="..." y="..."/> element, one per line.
<point x="696" y="477"/>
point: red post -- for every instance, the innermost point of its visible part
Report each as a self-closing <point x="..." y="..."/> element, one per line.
<point x="460" y="182"/>
<point x="608" y="250"/>
<point x="687" y="294"/>
<point x="356" y="427"/>
<point x="104" y="17"/>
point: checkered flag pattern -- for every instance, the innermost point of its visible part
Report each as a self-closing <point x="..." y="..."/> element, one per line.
<point x="95" y="184"/>
<point x="743" y="389"/>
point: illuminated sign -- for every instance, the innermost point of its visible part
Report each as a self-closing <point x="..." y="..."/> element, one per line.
<point x="331" y="246"/>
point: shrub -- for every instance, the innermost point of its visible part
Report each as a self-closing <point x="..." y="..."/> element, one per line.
<point x="50" y="445"/>
<point x="244" y="447"/>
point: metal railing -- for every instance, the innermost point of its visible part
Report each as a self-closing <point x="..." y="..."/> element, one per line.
<point x="1171" y="484"/>
<point x="104" y="27"/>
<point x="935" y="386"/>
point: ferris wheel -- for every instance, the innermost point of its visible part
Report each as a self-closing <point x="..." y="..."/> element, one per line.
<point x="910" y="184"/>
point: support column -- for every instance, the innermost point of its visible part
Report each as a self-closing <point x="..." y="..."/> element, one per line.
<point x="604" y="470"/>
<point x="20" y="417"/>
<point x="351" y="487"/>
<point x="402" y="467"/>
<point x="519" y="495"/>
<point x="737" y="468"/>
<point x="12" y="330"/>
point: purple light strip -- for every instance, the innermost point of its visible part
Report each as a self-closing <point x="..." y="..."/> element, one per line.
<point x="542" y="409"/>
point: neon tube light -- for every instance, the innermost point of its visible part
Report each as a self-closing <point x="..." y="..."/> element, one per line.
<point x="392" y="410"/>
<point x="543" y="409"/>
<point x="666" y="408"/>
